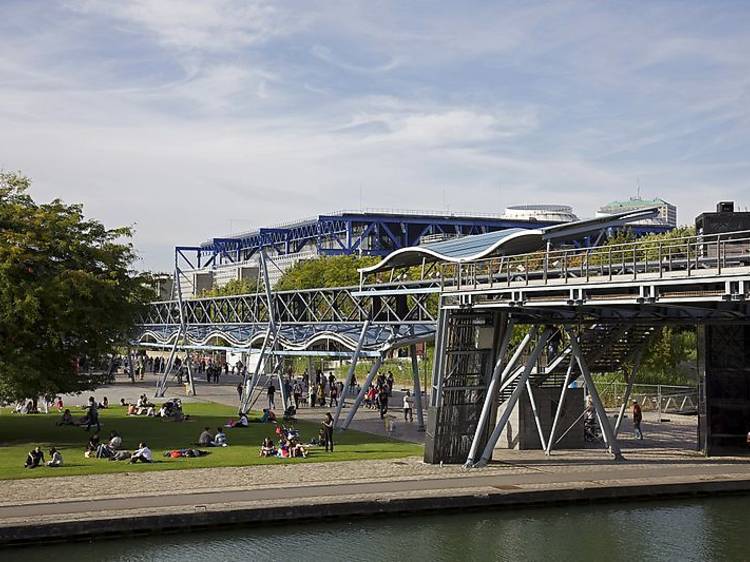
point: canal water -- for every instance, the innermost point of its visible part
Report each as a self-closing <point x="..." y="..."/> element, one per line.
<point x="700" y="529"/>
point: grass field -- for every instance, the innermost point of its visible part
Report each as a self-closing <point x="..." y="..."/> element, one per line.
<point x="20" y="433"/>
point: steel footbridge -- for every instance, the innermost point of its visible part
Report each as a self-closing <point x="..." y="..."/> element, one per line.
<point x="509" y="313"/>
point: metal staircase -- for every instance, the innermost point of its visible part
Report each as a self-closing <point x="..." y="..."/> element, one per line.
<point x="606" y="349"/>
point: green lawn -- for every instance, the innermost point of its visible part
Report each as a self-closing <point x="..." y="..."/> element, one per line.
<point x="20" y="433"/>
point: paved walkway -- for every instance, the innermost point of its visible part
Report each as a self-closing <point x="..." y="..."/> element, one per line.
<point x="226" y="393"/>
<point x="674" y="431"/>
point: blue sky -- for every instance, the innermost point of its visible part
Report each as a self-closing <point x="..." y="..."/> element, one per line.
<point x="193" y="119"/>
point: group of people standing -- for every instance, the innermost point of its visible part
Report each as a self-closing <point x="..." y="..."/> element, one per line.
<point x="324" y="390"/>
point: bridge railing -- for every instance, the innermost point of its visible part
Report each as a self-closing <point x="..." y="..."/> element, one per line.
<point x="640" y="259"/>
<point x="338" y="305"/>
<point x="660" y="398"/>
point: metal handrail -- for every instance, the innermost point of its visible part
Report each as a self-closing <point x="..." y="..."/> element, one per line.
<point x="631" y="259"/>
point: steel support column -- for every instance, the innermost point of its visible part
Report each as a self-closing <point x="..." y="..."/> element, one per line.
<point x="441" y="335"/>
<point x="417" y="388"/>
<point x="558" y="411"/>
<point x="498" y="374"/>
<point x="350" y="372"/>
<point x="614" y="448"/>
<point x="629" y="388"/>
<point x="363" y="390"/>
<point x="537" y="421"/>
<point x="513" y="400"/>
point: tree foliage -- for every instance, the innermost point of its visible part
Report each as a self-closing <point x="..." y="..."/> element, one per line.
<point x="670" y="357"/>
<point x="324" y="271"/>
<point x="67" y="293"/>
<point x="234" y="287"/>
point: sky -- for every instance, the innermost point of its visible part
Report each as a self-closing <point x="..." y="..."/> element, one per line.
<point x="194" y="119"/>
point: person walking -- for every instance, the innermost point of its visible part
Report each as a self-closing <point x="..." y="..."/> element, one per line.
<point x="239" y="390"/>
<point x="408" y="402"/>
<point x="383" y="401"/>
<point x="322" y="393"/>
<point x="334" y="396"/>
<point x="271" y="393"/>
<point x="637" y="419"/>
<point x="328" y="432"/>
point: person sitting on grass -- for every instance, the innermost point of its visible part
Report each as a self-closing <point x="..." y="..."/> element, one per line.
<point x="267" y="449"/>
<point x="59" y="404"/>
<point x="115" y="440"/>
<point x="92" y="445"/>
<point x="268" y="416"/>
<point x="205" y="438"/>
<point x="55" y="458"/>
<point x="35" y="458"/>
<point x="296" y="449"/>
<point x="143" y="407"/>
<point x="104" y="403"/>
<point x="123" y="403"/>
<point x="220" y="439"/>
<point x="141" y="454"/>
<point x="241" y="422"/>
<point x="66" y="419"/>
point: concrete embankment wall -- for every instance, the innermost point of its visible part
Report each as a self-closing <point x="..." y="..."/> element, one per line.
<point x="207" y="516"/>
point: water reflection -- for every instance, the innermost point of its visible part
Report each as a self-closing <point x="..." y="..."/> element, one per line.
<point x="705" y="529"/>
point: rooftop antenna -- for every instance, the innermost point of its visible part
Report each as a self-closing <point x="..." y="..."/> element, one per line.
<point x="638" y="188"/>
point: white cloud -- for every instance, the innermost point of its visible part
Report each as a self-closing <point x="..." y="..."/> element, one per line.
<point x="182" y="116"/>
<point x="213" y="25"/>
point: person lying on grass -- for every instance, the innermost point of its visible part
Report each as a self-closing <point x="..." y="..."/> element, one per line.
<point x="185" y="453"/>
<point x="121" y="456"/>
<point x="108" y="450"/>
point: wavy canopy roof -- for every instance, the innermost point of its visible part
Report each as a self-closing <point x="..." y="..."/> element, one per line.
<point x="468" y="248"/>
<point x="506" y="242"/>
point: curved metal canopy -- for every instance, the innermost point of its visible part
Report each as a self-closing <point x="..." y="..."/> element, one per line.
<point x="466" y="249"/>
<point x="510" y="241"/>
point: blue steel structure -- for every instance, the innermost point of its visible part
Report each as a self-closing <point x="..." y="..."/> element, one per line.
<point x="371" y="233"/>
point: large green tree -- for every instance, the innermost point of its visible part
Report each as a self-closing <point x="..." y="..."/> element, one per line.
<point x="68" y="294"/>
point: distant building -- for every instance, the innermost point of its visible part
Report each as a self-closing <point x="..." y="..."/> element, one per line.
<point x="667" y="211"/>
<point x="541" y="213"/>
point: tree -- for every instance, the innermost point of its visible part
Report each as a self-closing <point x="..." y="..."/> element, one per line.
<point x="67" y="293"/>
<point x="234" y="287"/>
<point x="324" y="271"/>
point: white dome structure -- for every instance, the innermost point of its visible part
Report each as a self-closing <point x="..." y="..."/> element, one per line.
<point x="542" y="213"/>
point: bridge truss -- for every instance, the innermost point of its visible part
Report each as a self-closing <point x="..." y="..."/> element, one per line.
<point x="596" y="298"/>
